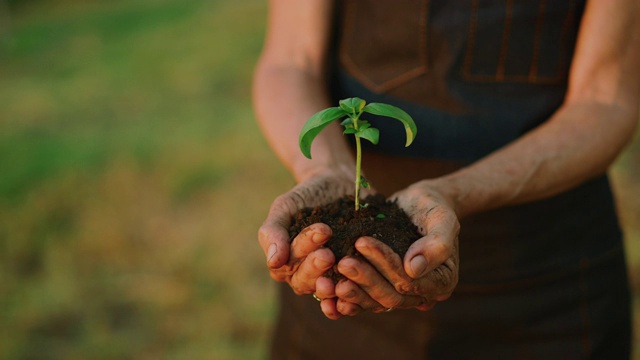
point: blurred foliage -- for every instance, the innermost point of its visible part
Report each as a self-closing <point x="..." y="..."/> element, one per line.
<point x="133" y="180"/>
<point x="128" y="196"/>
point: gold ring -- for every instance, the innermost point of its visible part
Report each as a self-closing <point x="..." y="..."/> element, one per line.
<point x="315" y="297"/>
<point x="388" y="309"/>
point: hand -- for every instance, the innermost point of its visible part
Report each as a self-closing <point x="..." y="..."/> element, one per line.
<point x="301" y="262"/>
<point x="428" y="274"/>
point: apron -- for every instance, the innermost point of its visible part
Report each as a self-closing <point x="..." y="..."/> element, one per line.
<point x="540" y="280"/>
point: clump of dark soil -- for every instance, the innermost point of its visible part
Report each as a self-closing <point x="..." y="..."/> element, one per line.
<point x="379" y="218"/>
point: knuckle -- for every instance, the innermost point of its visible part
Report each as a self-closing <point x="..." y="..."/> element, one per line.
<point x="303" y="285"/>
<point x="284" y="272"/>
<point x="444" y="277"/>
<point x="299" y="290"/>
<point x="291" y="202"/>
<point x="440" y="278"/>
<point x="406" y="288"/>
<point x="348" y="309"/>
<point x="282" y="200"/>
<point x="263" y="233"/>
<point x="441" y="249"/>
<point x="416" y="288"/>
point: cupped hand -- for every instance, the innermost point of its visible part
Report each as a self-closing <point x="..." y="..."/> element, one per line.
<point x="302" y="261"/>
<point x="427" y="274"/>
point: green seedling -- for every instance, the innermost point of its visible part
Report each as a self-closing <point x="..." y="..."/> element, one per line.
<point x="349" y="113"/>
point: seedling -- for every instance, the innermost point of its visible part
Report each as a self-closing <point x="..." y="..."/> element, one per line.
<point x="349" y="112"/>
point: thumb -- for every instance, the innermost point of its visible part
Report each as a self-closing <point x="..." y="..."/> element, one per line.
<point x="273" y="235"/>
<point x="275" y="244"/>
<point x="426" y="254"/>
<point x="440" y="228"/>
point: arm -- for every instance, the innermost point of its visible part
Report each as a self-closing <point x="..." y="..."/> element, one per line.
<point x="578" y="142"/>
<point x="584" y="136"/>
<point x="289" y="87"/>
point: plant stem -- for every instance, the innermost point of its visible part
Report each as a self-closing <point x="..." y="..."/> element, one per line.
<point x="358" y="164"/>
<point x="358" y="161"/>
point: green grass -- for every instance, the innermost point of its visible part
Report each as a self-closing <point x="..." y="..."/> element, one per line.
<point x="133" y="180"/>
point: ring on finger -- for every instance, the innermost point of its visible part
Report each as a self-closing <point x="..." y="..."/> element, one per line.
<point x="388" y="309"/>
<point x="316" y="297"/>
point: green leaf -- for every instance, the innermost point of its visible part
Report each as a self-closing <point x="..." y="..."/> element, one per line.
<point x="352" y="105"/>
<point x="381" y="216"/>
<point x="364" y="183"/>
<point x="396" y="113"/>
<point x="316" y="123"/>
<point x="364" y="125"/>
<point x="371" y="134"/>
<point x="349" y="131"/>
<point x="348" y="122"/>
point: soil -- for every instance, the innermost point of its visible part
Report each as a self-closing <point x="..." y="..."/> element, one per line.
<point x="379" y="218"/>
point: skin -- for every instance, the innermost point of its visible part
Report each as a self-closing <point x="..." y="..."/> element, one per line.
<point x="578" y="142"/>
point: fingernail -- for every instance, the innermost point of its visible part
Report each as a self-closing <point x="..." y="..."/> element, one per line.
<point x="271" y="252"/>
<point x="349" y="271"/>
<point x="321" y="263"/>
<point x="418" y="265"/>
<point x="318" y="238"/>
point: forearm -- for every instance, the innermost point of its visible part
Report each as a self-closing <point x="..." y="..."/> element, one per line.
<point x="583" y="137"/>
<point x="289" y="85"/>
<point x="284" y="98"/>
<point x="578" y="143"/>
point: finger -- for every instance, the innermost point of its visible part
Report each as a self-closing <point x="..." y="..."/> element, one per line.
<point x="438" y="244"/>
<point x="274" y="235"/>
<point x="348" y="291"/>
<point x="383" y="258"/>
<point x="275" y="244"/>
<point x="317" y="263"/>
<point x="427" y="306"/>
<point x="427" y="253"/>
<point x="348" y="308"/>
<point x="330" y="309"/>
<point x="309" y="239"/>
<point x="377" y="287"/>
<point x="438" y="284"/>
<point x="325" y="288"/>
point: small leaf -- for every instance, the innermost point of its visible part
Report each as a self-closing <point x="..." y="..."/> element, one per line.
<point x="364" y="125"/>
<point x="381" y="216"/>
<point x="350" y="130"/>
<point x="352" y="105"/>
<point x="371" y="134"/>
<point x="396" y="113"/>
<point x="347" y="122"/>
<point x="316" y="123"/>
<point x="364" y="183"/>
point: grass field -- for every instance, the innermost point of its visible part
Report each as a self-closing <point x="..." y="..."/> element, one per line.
<point x="133" y="180"/>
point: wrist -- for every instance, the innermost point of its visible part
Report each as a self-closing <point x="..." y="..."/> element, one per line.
<point x="453" y="192"/>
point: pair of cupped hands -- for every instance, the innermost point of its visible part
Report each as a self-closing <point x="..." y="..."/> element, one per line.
<point x="427" y="274"/>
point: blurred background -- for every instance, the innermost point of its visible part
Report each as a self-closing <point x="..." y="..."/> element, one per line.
<point x="133" y="180"/>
